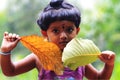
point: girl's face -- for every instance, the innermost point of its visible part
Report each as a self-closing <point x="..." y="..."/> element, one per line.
<point x="61" y="32"/>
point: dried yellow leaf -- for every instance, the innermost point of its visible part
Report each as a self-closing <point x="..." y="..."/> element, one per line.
<point x="48" y="53"/>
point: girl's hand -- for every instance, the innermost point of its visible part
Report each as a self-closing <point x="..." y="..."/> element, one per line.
<point x="9" y="42"/>
<point x="108" y="57"/>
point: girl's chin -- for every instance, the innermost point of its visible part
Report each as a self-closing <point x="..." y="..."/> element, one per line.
<point x="62" y="48"/>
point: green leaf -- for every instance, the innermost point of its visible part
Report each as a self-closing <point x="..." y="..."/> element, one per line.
<point x="79" y="52"/>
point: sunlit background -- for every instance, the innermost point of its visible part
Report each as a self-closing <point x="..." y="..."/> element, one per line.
<point x="3" y="5"/>
<point x="100" y="23"/>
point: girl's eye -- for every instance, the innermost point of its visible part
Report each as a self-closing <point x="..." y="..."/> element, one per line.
<point x="69" y="30"/>
<point x="55" y="31"/>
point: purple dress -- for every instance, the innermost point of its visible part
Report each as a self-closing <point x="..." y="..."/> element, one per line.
<point x="67" y="75"/>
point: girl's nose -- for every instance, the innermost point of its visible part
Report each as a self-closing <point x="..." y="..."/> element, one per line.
<point x="63" y="36"/>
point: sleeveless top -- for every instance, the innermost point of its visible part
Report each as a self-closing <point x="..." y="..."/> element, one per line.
<point x="67" y="74"/>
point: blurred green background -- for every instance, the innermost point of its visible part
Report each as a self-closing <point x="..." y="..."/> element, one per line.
<point x="100" y="23"/>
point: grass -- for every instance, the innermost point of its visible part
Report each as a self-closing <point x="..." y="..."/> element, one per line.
<point x="31" y="75"/>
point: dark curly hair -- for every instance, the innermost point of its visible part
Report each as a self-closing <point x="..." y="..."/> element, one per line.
<point x="58" y="10"/>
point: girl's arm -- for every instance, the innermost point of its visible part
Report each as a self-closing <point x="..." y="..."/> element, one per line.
<point x="108" y="58"/>
<point x="11" y="69"/>
<point x="8" y="67"/>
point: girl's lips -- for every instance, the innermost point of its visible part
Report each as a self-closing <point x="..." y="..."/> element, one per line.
<point x="63" y="43"/>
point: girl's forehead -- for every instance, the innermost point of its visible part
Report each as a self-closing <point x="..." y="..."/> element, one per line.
<point x="62" y="23"/>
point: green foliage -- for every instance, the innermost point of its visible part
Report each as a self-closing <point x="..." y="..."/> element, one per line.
<point x="3" y="27"/>
<point x="31" y="75"/>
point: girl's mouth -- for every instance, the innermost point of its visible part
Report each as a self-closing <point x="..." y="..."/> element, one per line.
<point x="63" y="43"/>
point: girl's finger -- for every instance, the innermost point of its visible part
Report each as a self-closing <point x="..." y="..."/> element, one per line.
<point x="17" y="36"/>
<point x="14" y="35"/>
<point x="5" y="33"/>
<point x="10" y="35"/>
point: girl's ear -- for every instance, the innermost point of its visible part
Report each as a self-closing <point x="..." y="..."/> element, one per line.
<point x="44" y="33"/>
<point x="78" y="29"/>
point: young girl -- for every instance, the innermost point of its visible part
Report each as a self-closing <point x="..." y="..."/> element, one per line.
<point x="59" y="23"/>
